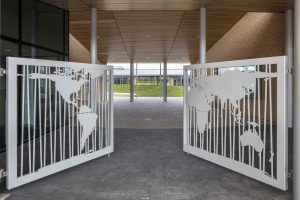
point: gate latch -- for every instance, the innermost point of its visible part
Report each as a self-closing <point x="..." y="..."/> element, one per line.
<point x="2" y="173"/>
<point x="2" y="71"/>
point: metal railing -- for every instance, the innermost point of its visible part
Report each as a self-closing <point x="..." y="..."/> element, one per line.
<point x="58" y="115"/>
<point x="235" y="116"/>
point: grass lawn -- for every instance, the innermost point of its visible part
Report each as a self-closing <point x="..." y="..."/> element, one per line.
<point x="149" y="90"/>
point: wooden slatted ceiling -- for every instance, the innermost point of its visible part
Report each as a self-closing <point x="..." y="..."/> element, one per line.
<point x="186" y="44"/>
<point x="231" y="5"/>
<point x="151" y="36"/>
<point x="124" y="25"/>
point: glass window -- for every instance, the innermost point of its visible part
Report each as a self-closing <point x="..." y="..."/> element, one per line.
<point x="32" y="52"/>
<point x="7" y="49"/>
<point x="43" y="25"/>
<point x="9" y="18"/>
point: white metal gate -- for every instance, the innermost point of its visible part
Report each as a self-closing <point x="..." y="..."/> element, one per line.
<point x="58" y="115"/>
<point x="235" y="116"/>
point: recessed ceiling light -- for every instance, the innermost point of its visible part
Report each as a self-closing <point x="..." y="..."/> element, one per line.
<point x="148" y="36"/>
<point x="148" y="58"/>
<point x="113" y="58"/>
<point x="7" y="50"/>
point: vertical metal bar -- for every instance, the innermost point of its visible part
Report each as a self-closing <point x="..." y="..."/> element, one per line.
<point x="45" y="117"/>
<point x="211" y="112"/>
<point x="217" y="127"/>
<point x="34" y="121"/>
<point x="265" y="120"/>
<point x="249" y="120"/>
<point x="225" y="129"/>
<point x="55" y="119"/>
<point x="111" y="96"/>
<point x="69" y="129"/>
<point x="185" y="109"/>
<point x="239" y="130"/>
<point x="73" y="122"/>
<point x="40" y="121"/>
<point x="222" y="128"/>
<point x="254" y="115"/>
<point x="230" y="127"/>
<point x="28" y="119"/>
<point x="60" y="128"/>
<point x="64" y="131"/>
<point x="259" y="117"/>
<point x="99" y="111"/>
<point x="22" y="119"/>
<point x="244" y="120"/>
<point x="271" y="124"/>
<point x="194" y="124"/>
<point x="50" y="120"/>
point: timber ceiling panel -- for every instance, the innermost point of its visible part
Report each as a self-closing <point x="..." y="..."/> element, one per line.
<point x="148" y="35"/>
<point x="186" y="44"/>
<point x="151" y="36"/>
<point x="252" y="5"/>
<point x="110" y="44"/>
<point x="232" y="5"/>
<point x="155" y="30"/>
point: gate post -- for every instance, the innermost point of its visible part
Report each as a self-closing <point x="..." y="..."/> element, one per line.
<point x="296" y="150"/>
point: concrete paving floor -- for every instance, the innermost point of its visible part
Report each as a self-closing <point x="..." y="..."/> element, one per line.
<point x="148" y="163"/>
<point x="148" y="113"/>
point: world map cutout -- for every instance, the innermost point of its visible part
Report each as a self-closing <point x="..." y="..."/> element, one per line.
<point x="231" y="86"/>
<point x="66" y="85"/>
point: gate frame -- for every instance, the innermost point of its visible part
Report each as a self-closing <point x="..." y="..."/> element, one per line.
<point x="282" y="130"/>
<point x="13" y="180"/>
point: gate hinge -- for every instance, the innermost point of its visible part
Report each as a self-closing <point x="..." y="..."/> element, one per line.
<point x="290" y="174"/>
<point x="290" y="71"/>
<point x="2" y="173"/>
<point x="2" y="71"/>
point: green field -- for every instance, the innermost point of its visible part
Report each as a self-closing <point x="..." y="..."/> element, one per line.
<point x="149" y="90"/>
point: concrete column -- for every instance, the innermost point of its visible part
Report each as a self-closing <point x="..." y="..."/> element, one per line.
<point x="289" y="51"/>
<point x="131" y="81"/>
<point x="202" y="35"/>
<point x="296" y="109"/>
<point x="93" y="35"/>
<point x="165" y="82"/>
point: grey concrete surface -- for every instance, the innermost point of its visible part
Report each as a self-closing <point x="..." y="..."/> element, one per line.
<point x="148" y="164"/>
<point x="148" y="113"/>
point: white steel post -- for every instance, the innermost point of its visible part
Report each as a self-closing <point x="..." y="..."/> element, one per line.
<point x="202" y="35"/>
<point x="290" y="59"/>
<point x="93" y="51"/>
<point x="93" y="35"/>
<point x="296" y="109"/>
<point x="131" y="81"/>
<point x="165" y="82"/>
